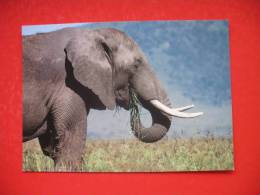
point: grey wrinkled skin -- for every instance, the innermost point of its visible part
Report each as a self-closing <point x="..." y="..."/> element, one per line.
<point x="70" y="71"/>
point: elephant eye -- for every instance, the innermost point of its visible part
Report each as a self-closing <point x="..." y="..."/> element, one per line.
<point x="137" y="63"/>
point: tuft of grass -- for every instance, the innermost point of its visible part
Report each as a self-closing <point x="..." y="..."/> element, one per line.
<point x="33" y="158"/>
<point x="134" y="111"/>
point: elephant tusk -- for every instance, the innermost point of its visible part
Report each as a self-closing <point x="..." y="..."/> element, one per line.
<point x="184" y="108"/>
<point x="175" y="111"/>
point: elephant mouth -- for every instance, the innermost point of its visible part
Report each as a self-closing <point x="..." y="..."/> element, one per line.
<point x="123" y="104"/>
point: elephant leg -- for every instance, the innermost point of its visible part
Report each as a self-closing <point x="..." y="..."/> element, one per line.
<point x="69" y="146"/>
<point x="39" y="132"/>
<point x="68" y="121"/>
<point x="47" y="141"/>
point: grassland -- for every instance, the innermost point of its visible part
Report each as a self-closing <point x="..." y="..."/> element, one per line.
<point x="132" y="155"/>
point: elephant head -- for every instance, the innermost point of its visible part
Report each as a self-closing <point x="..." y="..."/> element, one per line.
<point x="110" y="64"/>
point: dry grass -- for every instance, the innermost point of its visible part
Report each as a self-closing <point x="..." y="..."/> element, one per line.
<point x="133" y="155"/>
<point x="134" y="111"/>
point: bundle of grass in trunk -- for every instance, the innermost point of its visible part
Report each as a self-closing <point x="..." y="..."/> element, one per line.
<point x="134" y="112"/>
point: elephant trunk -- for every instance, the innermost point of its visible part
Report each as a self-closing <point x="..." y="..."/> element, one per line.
<point x="160" y="124"/>
<point x="147" y="88"/>
<point x="154" y="98"/>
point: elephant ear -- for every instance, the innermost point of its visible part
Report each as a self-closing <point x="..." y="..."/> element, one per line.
<point x="91" y="60"/>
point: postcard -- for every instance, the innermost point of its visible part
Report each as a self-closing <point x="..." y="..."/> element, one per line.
<point x="150" y="96"/>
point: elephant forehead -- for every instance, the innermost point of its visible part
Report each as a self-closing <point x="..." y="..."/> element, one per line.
<point x="126" y="56"/>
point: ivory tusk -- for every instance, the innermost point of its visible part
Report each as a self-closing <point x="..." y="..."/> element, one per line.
<point x="175" y="112"/>
<point x="184" y="108"/>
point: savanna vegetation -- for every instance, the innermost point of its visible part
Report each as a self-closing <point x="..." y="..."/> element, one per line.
<point x="132" y="155"/>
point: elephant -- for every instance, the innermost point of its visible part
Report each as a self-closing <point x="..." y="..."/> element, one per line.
<point x="68" y="72"/>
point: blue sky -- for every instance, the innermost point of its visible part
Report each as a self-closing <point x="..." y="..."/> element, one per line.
<point x="191" y="58"/>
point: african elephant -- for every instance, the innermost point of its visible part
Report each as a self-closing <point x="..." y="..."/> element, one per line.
<point x="70" y="71"/>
